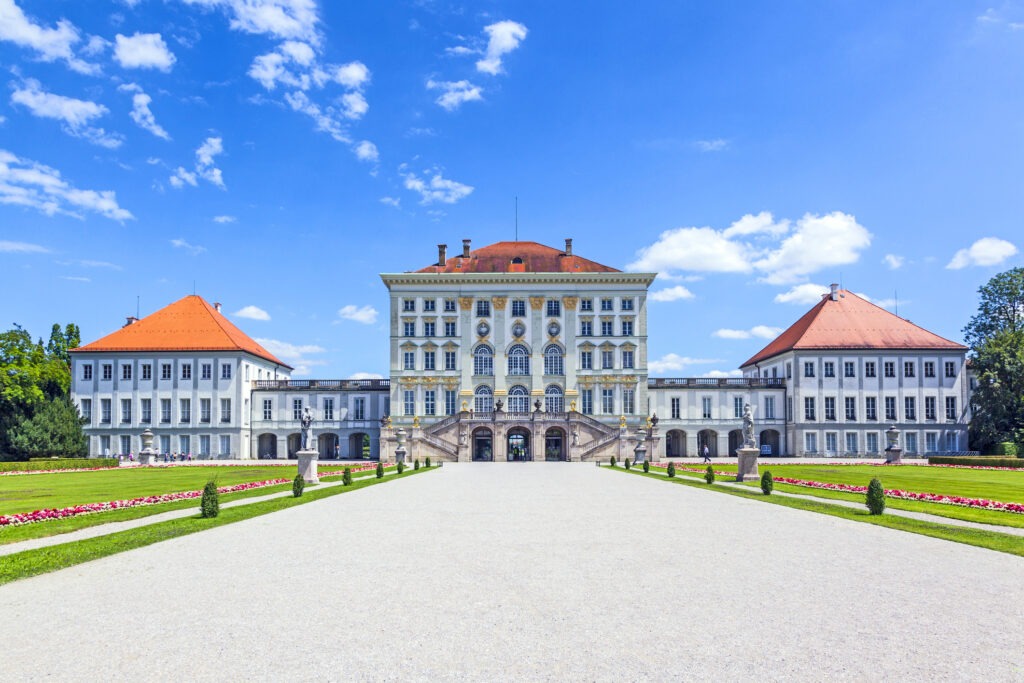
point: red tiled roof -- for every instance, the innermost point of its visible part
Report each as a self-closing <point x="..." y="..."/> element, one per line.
<point x="536" y="258"/>
<point x="189" y="324"/>
<point x="851" y="322"/>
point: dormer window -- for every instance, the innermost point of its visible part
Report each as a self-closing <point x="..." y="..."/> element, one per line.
<point x="518" y="260"/>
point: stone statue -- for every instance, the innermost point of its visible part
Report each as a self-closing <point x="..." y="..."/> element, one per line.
<point x="536" y="405"/>
<point x="463" y="434"/>
<point x="384" y="422"/>
<point x="307" y="430"/>
<point x="498" y="405"/>
<point x="575" y="436"/>
<point x="654" y="420"/>
<point x="748" y="428"/>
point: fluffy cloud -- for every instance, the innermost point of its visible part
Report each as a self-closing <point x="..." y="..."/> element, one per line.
<point x="367" y="151"/>
<point x="296" y="355"/>
<point x="455" y="93"/>
<point x="723" y="374"/>
<point x="7" y="247"/>
<point x="672" y="361"/>
<point x="24" y="182"/>
<point x="224" y="219"/>
<point x="328" y="120"/>
<point x="804" y="294"/>
<point x="436" y="189"/>
<point x="205" y="166"/>
<point x="365" y="375"/>
<point x="281" y="19"/>
<point x="988" y="251"/>
<point x="193" y="249"/>
<point x="391" y="201"/>
<point x="75" y="115"/>
<point x="141" y="113"/>
<point x="367" y="315"/>
<point x="502" y="38"/>
<point x="252" y="313"/>
<point x="780" y="251"/>
<point x="713" y="145"/>
<point x="49" y="44"/>
<point x="893" y="261"/>
<point x="671" y="294"/>
<point x="760" y="331"/>
<point x="143" y="51"/>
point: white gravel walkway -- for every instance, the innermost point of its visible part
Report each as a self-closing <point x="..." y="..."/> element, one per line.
<point x="526" y="572"/>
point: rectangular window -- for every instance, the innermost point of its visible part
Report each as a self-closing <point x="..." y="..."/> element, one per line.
<point x="449" y="328"/>
<point x="951" y="441"/>
<point x="737" y="407"/>
<point x="586" y="328"/>
<point x="554" y="308"/>
<point x="126" y="411"/>
<point x="225" y="410"/>
<point x="147" y="410"/>
<point x="607" y="305"/>
<point x="409" y="401"/>
<point x="449" y="305"/>
<point x="809" y="408"/>
<point x="268" y="409"/>
<point x="429" y="402"/>
<point x="606" y="328"/>
<point x="890" y="408"/>
<point x="518" y="308"/>
<point x="186" y="371"/>
<point x="911" y="442"/>
<point x="872" y="442"/>
<point x="608" y="401"/>
<point x="929" y="368"/>
<point x="409" y="328"/>
<point x="769" y="407"/>
<point x="483" y="309"/>
<point x="929" y="407"/>
<point x="586" y="360"/>
<point x="586" y="304"/>
<point x="851" y="442"/>
<point x="627" y="328"/>
<point x="206" y="371"/>
<point x="184" y="444"/>
<point x="908" y="369"/>
<point x="951" y="407"/>
<point x="408" y="360"/>
<point x="147" y="371"/>
<point x="830" y="407"/>
<point x="789" y="408"/>
<point x="204" y="445"/>
<point x="851" y="407"/>
<point x="869" y="369"/>
<point x="909" y="408"/>
<point x="108" y="371"/>
<point x="607" y="360"/>
<point x="810" y="443"/>
<point x="126" y="372"/>
<point x="204" y="410"/>
<point x="627" y="359"/>
<point x="789" y="371"/>
<point x="429" y="305"/>
<point x="808" y="369"/>
<point x="165" y="410"/>
<point x="449" y="360"/>
<point x="185" y="410"/>
<point x="86" y="409"/>
<point x="297" y="409"/>
<point x="931" y="442"/>
<point x="105" y="445"/>
<point x="830" y="369"/>
<point x="627" y="304"/>
<point x="225" y="371"/>
<point x="328" y="409"/>
<point x="165" y="371"/>
<point x="449" y="401"/>
<point x="831" y="442"/>
<point x="705" y="407"/>
<point x="430" y="360"/>
<point x="105" y="410"/>
<point x="429" y="329"/>
<point x="950" y="368"/>
<point x="225" y="444"/>
<point x="870" y="408"/>
<point x="890" y="368"/>
<point x="587" y="398"/>
<point x="409" y="305"/>
<point x="126" y="444"/>
<point x="849" y="369"/>
<point x="86" y="373"/>
<point x="628" y="401"/>
<point x="359" y="408"/>
<point x="675" y="408"/>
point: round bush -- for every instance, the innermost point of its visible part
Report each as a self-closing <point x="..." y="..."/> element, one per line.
<point x="612" y="461"/>
<point x="298" y="485"/>
<point x="767" y="483"/>
<point x="401" y="467"/>
<point x="626" y="463"/>
<point x="875" y="499"/>
<point x="647" y="465"/>
<point x="709" y="475"/>
<point x="671" y="470"/>
<point x="346" y="477"/>
<point x="380" y="470"/>
<point x="416" y="464"/>
<point x="209" y="506"/>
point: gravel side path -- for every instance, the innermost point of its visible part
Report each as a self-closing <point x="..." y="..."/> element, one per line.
<point x="540" y="572"/>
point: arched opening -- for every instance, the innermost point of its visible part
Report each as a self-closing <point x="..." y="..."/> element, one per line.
<point x="518" y="399"/>
<point x="266" y="446"/>
<point x="709" y="438"/>
<point x="483" y="444"/>
<point x="327" y="445"/>
<point x="483" y="360"/>
<point x="518" y="360"/>
<point x="518" y="445"/>
<point x="554" y="360"/>
<point x="770" y="443"/>
<point x="675" y="443"/>
<point x="735" y="441"/>
<point x="483" y="399"/>
<point x="553" y="399"/>
<point x="294" y="445"/>
<point x="359" y="446"/>
<point x="554" y="444"/>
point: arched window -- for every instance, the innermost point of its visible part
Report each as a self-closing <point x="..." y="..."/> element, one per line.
<point x="553" y="401"/>
<point x="483" y="400"/>
<point x="518" y="399"/>
<point x="553" y="360"/>
<point x="483" y="361"/>
<point x="518" y="360"/>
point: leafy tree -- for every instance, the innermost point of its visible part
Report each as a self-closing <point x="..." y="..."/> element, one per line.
<point x="60" y="342"/>
<point x="996" y="337"/>
<point x="55" y="429"/>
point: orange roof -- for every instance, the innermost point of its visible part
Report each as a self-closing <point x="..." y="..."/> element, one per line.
<point x="535" y="258"/>
<point x="189" y="324"/>
<point x="851" y="322"/>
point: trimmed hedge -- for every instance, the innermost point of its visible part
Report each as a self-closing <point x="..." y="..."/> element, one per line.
<point x="1006" y="448"/>
<point x="58" y="464"/>
<point x="977" y="462"/>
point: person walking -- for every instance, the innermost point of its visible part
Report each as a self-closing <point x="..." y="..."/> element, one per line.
<point x="707" y="453"/>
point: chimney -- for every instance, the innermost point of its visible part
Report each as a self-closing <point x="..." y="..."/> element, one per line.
<point x="568" y="246"/>
<point x="216" y="306"/>
<point x="131" y="320"/>
<point x="835" y="292"/>
<point x="442" y="252"/>
<point x="465" y="248"/>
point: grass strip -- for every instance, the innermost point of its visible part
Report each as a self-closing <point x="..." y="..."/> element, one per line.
<point x="42" y="560"/>
<point x="992" y="540"/>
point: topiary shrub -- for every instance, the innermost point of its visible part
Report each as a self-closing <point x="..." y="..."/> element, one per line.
<point x="875" y="499"/>
<point x="767" y="483"/>
<point x="415" y="464"/>
<point x="380" y="470"/>
<point x="709" y="475"/>
<point x="209" y="506"/>
<point x="346" y="477"/>
<point x="298" y="485"/>
<point x="647" y="465"/>
<point x="612" y="461"/>
<point x="626" y="463"/>
<point x="427" y="462"/>
<point x="401" y="467"/>
<point x="671" y="470"/>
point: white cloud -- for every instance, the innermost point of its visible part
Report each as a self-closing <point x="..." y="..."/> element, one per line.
<point x="281" y="19"/>
<point x="367" y="151"/>
<point x="182" y="177"/>
<point x="391" y="201"/>
<point x="50" y="44"/>
<point x="141" y="113"/>
<point x="988" y="251"/>
<point x="354" y="105"/>
<point x="700" y="249"/>
<point x="252" y="313"/>
<point x="437" y="189"/>
<point x="723" y="374"/>
<point x="75" y="278"/>
<point x="143" y="51"/>
<point x="893" y="261"/>
<point x="224" y="219"/>
<point x="502" y="38"/>
<point x="328" y="120"/>
<point x="367" y="315"/>
<point x="760" y="224"/>
<point x="205" y="166"/>
<point x="817" y="242"/>
<point x="7" y="247"/>
<point x="296" y="355"/>
<point x="365" y="375"/>
<point x="806" y="293"/>
<point x="193" y="249"/>
<point x="671" y="294"/>
<point x="24" y="182"/>
<point x="352" y="75"/>
<point x="713" y="145"/>
<point x="86" y="263"/>
<point x="673" y="361"/>
<point x="760" y="331"/>
<point x="455" y="93"/>
<point x="95" y="46"/>
<point x="74" y="114"/>
<point x="882" y="303"/>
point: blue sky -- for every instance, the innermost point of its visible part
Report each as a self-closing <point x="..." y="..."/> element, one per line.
<point x="276" y="155"/>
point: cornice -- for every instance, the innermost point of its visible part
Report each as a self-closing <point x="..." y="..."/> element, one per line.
<point x="519" y="279"/>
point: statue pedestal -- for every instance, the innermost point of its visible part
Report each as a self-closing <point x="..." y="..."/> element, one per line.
<point x="147" y="457"/>
<point x="746" y="463"/>
<point x="893" y="456"/>
<point x="307" y="465"/>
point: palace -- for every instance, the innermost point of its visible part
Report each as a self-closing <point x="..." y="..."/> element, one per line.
<point x="521" y="351"/>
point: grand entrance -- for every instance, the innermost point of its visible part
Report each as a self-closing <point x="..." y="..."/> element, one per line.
<point x="519" y="444"/>
<point x="554" y="444"/>
<point x="483" y="444"/>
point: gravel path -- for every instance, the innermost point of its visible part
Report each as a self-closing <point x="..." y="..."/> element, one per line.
<point x="541" y="572"/>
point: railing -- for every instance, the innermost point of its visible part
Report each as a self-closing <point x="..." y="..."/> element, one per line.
<point x="440" y="444"/>
<point x="773" y="382"/>
<point x="597" y="445"/>
<point x="438" y="426"/>
<point x="328" y="384"/>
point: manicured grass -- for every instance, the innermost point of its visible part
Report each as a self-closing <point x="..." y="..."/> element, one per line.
<point x="54" y="527"/>
<point x="42" y="560"/>
<point x="984" y="539"/>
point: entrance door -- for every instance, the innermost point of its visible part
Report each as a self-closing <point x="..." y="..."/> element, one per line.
<point x="554" y="445"/>
<point x="482" y="445"/>
<point x="519" y="445"/>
